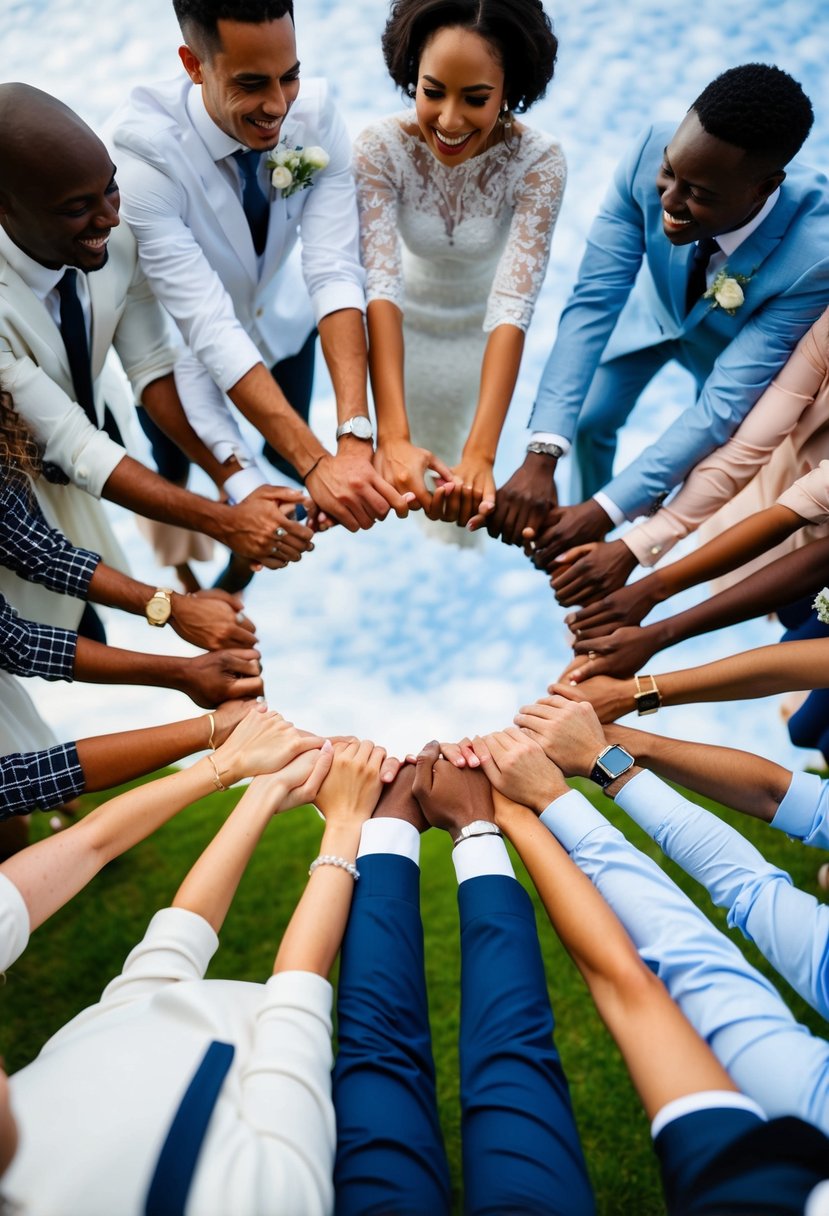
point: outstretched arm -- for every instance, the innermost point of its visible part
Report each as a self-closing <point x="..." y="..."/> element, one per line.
<point x="49" y="873"/>
<point x="622" y="651"/>
<point x="666" y="1058"/>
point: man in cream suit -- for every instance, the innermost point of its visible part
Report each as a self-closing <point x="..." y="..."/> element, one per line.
<point x="689" y="208"/>
<point x="59" y="212"/>
<point x="215" y="238"/>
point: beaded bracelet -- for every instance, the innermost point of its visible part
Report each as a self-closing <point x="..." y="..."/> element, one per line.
<point x="217" y="777"/>
<point x="328" y="859"/>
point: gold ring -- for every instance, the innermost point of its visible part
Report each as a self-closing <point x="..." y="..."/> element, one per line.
<point x="591" y="654"/>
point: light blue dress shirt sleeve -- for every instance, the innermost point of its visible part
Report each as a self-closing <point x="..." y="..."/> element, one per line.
<point x="789" y="927"/>
<point x="771" y="1057"/>
<point x="804" y="812"/>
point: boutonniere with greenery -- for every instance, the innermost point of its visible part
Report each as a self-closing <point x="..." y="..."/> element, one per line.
<point x="293" y="169"/>
<point x="726" y="291"/>
<point x="821" y="606"/>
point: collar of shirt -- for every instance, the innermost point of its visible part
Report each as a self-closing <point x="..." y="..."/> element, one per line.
<point x="218" y="143"/>
<point x="731" y="241"/>
<point x="43" y="282"/>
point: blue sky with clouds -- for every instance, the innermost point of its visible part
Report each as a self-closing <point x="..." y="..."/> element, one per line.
<point x="391" y="633"/>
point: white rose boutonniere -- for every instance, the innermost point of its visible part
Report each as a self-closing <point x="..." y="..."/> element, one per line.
<point x="821" y="606"/>
<point x="293" y="169"/>
<point x="726" y="291"/>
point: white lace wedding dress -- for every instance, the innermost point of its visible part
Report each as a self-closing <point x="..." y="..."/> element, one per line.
<point x="459" y="249"/>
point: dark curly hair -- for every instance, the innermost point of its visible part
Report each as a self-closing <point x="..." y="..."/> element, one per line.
<point x="519" y="31"/>
<point x="20" y="454"/>
<point x="758" y="107"/>
<point x="200" y="19"/>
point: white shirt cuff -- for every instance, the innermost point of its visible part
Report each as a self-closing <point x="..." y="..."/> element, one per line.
<point x="616" y="515"/>
<point x="390" y="836"/>
<point x="796" y="812"/>
<point x="706" y="1099"/>
<point x="551" y="437"/>
<point x="481" y="855"/>
<point x="646" y="799"/>
<point x="239" y="485"/>
<point x="335" y="296"/>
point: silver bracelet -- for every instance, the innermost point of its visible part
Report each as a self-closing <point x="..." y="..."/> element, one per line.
<point x="328" y="859"/>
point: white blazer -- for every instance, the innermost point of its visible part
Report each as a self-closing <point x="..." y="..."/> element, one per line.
<point x="34" y="368"/>
<point x="233" y="308"/>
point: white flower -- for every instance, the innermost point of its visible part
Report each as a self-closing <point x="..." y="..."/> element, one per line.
<point x="729" y="294"/>
<point x="279" y="157"/>
<point x="315" y="158"/>
<point x="821" y="605"/>
<point x="282" y="177"/>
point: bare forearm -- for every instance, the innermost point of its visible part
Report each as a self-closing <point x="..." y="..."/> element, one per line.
<point x="499" y="372"/>
<point x="313" y="937"/>
<point x="98" y="664"/>
<point x="137" y="488"/>
<point x="733" y="548"/>
<point x="259" y="398"/>
<point x="753" y="673"/>
<point x="386" y="355"/>
<point x="209" y="888"/>
<point x="781" y="582"/>
<point x="109" y="760"/>
<point x="343" y="340"/>
<point x="161" y="401"/>
<point x="747" y="783"/>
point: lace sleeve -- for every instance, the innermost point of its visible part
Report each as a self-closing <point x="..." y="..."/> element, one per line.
<point x="377" y="203"/>
<point x="523" y="263"/>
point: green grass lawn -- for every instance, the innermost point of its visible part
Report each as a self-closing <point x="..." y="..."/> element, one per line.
<point x="72" y="957"/>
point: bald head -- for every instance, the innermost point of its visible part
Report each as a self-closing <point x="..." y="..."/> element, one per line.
<point x="58" y="197"/>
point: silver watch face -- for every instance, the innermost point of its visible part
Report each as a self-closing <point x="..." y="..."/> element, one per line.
<point x="360" y="427"/>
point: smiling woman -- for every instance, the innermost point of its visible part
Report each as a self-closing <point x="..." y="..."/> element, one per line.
<point x="457" y="208"/>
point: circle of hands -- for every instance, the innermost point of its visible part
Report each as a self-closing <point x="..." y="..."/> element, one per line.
<point x="445" y="785"/>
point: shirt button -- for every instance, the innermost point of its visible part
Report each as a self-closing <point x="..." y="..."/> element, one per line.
<point x="259" y="312"/>
<point x="656" y="550"/>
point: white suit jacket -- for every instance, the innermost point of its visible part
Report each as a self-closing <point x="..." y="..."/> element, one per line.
<point x="184" y="206"/>
<point x="34" y="368"/>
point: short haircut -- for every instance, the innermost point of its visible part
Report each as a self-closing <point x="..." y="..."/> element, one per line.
<point x="199" y="19"/>
<point x="519" y="31"/>
<point x="757" y="107"/>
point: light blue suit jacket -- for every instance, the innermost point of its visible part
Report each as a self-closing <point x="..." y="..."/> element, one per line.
<point x="786" y="260"/>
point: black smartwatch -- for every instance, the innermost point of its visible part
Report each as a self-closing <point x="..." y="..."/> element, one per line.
<point x="610" y="764"/>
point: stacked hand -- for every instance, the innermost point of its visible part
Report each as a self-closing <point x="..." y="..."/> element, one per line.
<point x="405" y="466"/>
<point x="590" y="572"/>
<point x="350" y="490"/>
<point x="212" y="620"/>
<point x="263" y="528"/>
<point x="263" y="742"/>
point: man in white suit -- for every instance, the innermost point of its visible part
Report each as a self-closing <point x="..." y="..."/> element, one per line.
<point x="59" y="212"/>
<point x="215" y="238"/>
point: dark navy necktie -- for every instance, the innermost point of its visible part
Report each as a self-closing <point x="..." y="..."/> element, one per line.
<point x="73" y="331"/>
<point x="253" y="197"/>
<point x="705" y="250"/>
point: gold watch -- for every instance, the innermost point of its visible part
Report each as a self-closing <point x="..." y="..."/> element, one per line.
<point x="158" y="609"/>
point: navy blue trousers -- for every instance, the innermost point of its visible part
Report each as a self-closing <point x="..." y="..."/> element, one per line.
<point x="521" y="1150"/>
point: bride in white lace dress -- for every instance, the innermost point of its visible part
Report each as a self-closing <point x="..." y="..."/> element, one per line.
<point x="457" y="208"/>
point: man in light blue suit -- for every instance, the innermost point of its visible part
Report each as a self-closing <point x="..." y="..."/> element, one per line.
<point x="650" y="291"/>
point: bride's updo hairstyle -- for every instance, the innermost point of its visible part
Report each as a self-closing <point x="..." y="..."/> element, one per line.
<point x="519" y="31"/>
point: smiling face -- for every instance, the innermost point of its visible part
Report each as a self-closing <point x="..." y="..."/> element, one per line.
<point x="708" y="186"/>
<point x="460" y="89"/>
<point x="250" y="81"/>
<point x="64" y="202"/>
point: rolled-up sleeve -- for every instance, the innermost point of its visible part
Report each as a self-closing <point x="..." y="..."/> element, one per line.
<point x="39" y="780"/>
<point x="804" y="811"/>
<point x="30" y="649"/>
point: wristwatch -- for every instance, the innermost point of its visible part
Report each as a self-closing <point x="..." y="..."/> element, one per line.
<point x="158" y="609"/>
<point x="479" y="827"/>
<point x="648" y="700"/>
<point x="545" y="449"/>
<point x="359" y="426"/>
<point x="610" y="764"/>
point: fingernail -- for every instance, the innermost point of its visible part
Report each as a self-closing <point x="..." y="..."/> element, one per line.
<point x="474" y="762"/>
<point x="327" y="746"/>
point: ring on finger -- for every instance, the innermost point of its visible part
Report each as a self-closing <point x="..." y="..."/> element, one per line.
<point x="591" y="654"/>
<point x="279" y="533"/>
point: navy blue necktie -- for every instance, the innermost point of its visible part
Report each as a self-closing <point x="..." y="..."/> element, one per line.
<point x="73" y="331"/>
<point x="253" y="197"/>
<point x="705" y="250"/>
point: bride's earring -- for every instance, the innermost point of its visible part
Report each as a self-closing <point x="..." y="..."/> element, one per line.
<point x="505" y="118"/>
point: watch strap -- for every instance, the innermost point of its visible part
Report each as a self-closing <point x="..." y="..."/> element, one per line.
<point x="602" y="775"/>
<point x="648" y="699"/>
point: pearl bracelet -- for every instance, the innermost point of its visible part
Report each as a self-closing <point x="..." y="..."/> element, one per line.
<point x="328" y="859"/>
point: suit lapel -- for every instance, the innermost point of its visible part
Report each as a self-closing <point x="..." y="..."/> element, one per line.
<point x="34" y="313"/>
<point x="220" y="198"/>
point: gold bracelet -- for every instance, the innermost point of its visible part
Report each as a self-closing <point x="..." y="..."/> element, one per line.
<point x="217" y="778"/>
<point x="647" y="700"/>
<point x="211" y="742"/>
